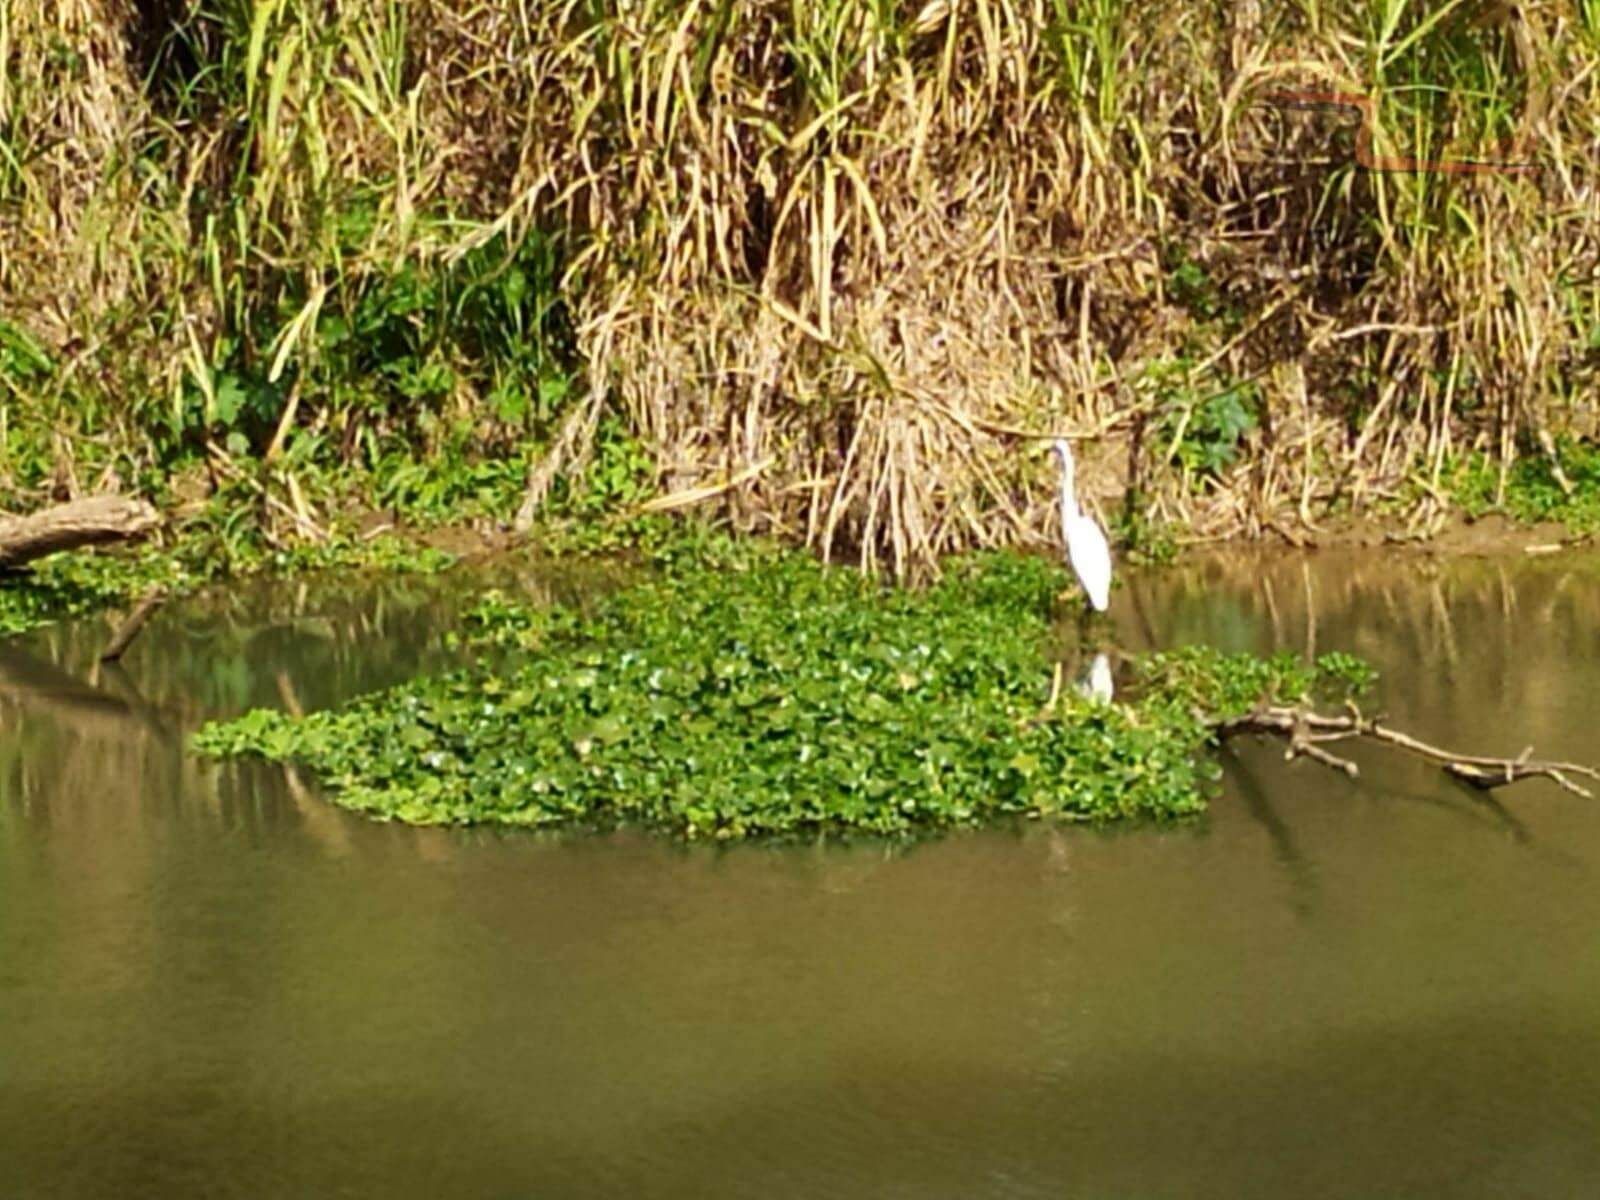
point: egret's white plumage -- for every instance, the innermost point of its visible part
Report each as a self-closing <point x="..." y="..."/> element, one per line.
<point x="1087" y="549"/>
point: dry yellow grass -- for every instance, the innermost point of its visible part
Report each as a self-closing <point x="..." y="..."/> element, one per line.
<point x="876" y="246"/>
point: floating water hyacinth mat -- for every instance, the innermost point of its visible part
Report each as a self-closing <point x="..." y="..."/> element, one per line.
<point x="782" y="698"/>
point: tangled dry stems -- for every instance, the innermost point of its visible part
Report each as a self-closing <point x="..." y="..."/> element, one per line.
<point x="879" y="247"/>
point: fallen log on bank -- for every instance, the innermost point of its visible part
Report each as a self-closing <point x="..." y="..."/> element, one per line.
<point x="92" y="521"/>
<point x="1308" y="731"/>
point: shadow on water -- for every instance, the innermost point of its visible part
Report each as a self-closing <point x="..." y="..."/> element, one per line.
<point x="1259" y="803"/>
<point x="213" y="982"/>
<point x="1498" y="813"/>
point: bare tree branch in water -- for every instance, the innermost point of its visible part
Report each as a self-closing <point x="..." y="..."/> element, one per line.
<point x="1307" y="730"/>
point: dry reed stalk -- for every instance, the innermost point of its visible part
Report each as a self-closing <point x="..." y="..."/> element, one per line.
<point x="880" y="248"/>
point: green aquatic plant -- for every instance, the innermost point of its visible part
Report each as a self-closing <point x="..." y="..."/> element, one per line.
<point x="774" y="696"/>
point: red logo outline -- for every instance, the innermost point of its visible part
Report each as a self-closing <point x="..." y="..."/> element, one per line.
<point x="1365" y="155"/>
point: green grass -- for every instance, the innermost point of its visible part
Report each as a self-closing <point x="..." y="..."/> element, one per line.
<point x="1532" y="491"/>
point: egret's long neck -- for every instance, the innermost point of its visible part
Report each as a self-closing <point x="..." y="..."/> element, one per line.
<point x="1069" y="500"/>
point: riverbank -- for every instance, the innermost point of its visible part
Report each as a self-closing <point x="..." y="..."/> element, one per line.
<point x="191" y="553"/>
<point x="680" y="700"/>
<point x="831" y="273"/>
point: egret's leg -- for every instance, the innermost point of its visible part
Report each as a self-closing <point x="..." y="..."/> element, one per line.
<point x="1085" y="619"/>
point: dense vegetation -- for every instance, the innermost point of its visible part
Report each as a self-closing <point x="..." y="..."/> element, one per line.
<point x="816" y="263"/>
<point x="776" y="697"/>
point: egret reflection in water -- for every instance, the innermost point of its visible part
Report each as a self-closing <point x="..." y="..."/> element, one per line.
<point x="1096" y="683"/>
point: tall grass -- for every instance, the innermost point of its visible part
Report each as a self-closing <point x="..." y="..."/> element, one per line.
<point x="834" y="264"/>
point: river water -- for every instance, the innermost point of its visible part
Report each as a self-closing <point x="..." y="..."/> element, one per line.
<point x="214" y="984"/>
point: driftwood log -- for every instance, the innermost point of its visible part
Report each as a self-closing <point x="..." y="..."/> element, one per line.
<point x="1308" y="732"/>
<point x="92" y="521"/>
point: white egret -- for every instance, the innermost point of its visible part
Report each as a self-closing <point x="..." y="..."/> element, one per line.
<point x="1087" y="549"/>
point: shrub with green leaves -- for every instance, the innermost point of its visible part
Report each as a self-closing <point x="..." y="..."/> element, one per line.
<point x="1533" y="492"/>
<point x="776" y="698"/>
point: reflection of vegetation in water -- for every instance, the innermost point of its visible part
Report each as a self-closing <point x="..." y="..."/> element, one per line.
<point x="777" y="697"/>
<point x="309" y="643"/>
<point x="73" y="585"/>
<point x="1466" y="627"/>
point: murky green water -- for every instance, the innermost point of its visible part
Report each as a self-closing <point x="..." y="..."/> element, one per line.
<point x="211" y="983"/>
